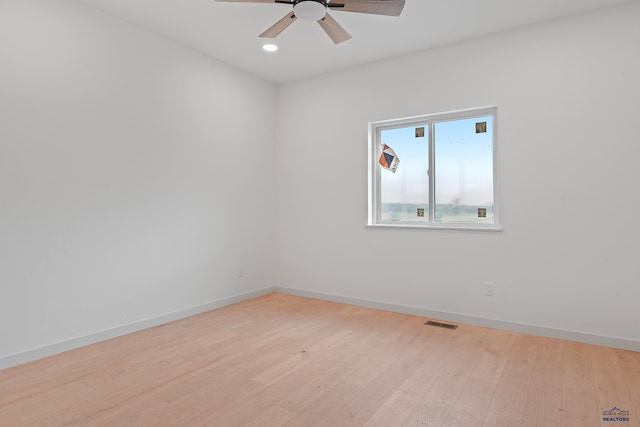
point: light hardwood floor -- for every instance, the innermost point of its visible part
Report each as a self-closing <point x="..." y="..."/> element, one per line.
<point x="281" y="360"/>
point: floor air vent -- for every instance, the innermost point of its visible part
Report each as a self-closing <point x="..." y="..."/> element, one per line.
<point x="440" y="324"/>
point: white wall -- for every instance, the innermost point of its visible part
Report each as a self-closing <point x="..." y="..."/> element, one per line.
<point x="135" y="176"/>
<point x="568" y="97"/>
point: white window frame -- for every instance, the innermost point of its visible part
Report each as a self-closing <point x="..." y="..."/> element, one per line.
<point x="374" y="208"/>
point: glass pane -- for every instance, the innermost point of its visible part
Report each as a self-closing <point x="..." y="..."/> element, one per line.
<point x="464" y="171"/>
<point x="404" y="195"/>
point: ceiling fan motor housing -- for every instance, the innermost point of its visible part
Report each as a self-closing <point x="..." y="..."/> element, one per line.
<point x="310" y="10"/>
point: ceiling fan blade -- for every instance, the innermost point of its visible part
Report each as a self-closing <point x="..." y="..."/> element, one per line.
<point x="333" y="29"/>
<point x="279" y="26"/>
<point x="374" y="7"/>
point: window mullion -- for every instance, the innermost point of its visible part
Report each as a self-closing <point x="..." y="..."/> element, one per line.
<point x="378" y="136"/>
<point x="431" y="174"/>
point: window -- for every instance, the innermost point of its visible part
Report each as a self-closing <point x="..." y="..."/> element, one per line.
<point x="435" y="171"/>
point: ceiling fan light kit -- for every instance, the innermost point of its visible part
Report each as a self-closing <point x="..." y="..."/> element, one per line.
<point x="310" y="10"/>
<point x="316" y="10"/>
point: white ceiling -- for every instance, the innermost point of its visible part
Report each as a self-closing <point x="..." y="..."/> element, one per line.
<point x="229" y="31"/>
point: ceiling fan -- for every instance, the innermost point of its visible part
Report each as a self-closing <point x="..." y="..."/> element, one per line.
<point x="316" y="10"/>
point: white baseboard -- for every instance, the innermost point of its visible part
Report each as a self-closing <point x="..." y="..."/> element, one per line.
<point x="52" y="349"/>
<point x="472" y="320"/>
<point x="60" y="347"/>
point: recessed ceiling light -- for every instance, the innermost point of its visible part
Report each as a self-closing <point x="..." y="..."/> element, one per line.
<point x="270" y="47"/>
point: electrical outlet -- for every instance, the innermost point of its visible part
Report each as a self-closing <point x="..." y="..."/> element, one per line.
<point x="241" y="273"/>
<point x="491" y="289"/>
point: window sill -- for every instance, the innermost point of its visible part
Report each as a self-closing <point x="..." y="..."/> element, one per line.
<point x="436" y="227"/>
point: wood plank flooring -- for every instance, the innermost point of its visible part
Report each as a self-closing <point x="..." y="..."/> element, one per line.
<point x="281" y="360"/>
